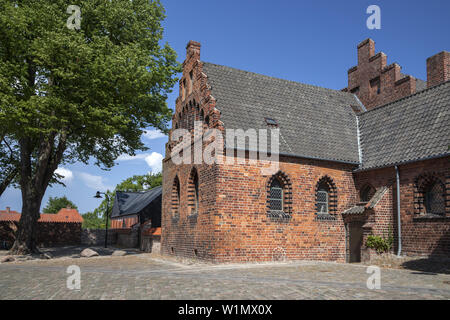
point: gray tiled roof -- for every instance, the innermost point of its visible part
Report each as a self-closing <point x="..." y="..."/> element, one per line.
<point x="127" y="203"/>
<point x="410" y="129"/>
<point x="361" y="208"/>
<point x="319" y="123"/>
<point x="314" y="122"/>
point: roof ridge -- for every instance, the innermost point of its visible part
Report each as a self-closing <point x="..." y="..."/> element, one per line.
<point x="142" y="191"/>
<point x="275" y="78"/>
<point x="404" y="98"/>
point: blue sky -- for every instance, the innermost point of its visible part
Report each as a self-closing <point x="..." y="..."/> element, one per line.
<point x="306" y="41"/>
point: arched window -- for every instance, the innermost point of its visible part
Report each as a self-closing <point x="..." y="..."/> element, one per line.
<point x="279" y="196"/>
<point x="429" y="195"/>
<point x="367" y="193"/>
<point x="322" y="198"/>
<point x="326" y="196"/>
<point x="176" y="197"/>
<point x="193" y="192"/>
<point x="434" y="199"/>
<point x="276" y="196"/>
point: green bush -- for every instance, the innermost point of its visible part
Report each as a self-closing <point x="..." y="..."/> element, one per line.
<point x="380" y="244"/>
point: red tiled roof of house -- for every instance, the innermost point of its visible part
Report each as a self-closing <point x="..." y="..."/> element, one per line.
<point x="64" y="215"/>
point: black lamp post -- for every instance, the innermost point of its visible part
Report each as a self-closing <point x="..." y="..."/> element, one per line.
<point x="98" y="195"/>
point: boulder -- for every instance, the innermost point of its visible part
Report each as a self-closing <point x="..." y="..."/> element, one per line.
<point x="119" y="253"/>
<point x="87" y="253"/>
<point x="46" y="256"/>
<point x="7" y="259"/>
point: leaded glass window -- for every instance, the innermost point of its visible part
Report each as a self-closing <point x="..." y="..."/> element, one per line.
<point x="322" y="200"/>
<point x="276" y="196"/>
<point x="434" y="199"/>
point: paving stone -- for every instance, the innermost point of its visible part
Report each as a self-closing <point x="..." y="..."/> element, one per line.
<point x="146" y="277"/>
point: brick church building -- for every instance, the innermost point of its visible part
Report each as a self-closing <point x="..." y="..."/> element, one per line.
<point x="351" y="162"/>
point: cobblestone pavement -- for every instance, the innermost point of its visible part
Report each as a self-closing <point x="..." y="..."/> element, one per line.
<point x="147" y="276"/>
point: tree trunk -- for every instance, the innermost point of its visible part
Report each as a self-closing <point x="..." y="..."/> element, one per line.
<point x="26" y="236"/>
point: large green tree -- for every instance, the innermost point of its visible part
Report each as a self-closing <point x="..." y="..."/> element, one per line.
<point x="71" y="95"/>
<point x="54" y="204"/>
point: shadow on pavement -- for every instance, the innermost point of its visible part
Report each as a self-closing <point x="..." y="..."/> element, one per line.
<point x="428" y="265"/>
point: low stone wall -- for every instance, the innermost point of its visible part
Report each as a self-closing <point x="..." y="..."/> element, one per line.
<point x="48" y="233"/>
<point x="128" y="238"/>
<point x="96" y="237"/>
<point x="151" y="243"/>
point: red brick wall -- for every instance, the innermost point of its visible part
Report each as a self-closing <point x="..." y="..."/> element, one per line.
<point x="438" y="68"/>
<point x="420" y="235"/>
<point x="374" y="66"/>
<point x="244" y="232"/>
<point x="48" y="233"/>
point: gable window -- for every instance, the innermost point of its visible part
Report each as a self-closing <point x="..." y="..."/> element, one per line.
<point x="375" y="86"/>
<point x="193" y="192"/>
<point x="191" y="81"/>
<point x="367" y="193"/>
<point x="183" y="88"/>
<point x="176" y="198"/>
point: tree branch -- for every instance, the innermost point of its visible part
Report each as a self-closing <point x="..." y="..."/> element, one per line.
<point x="6" y="182"/>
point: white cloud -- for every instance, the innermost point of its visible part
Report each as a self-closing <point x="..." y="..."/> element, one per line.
<point x="153" y="134"/>
<point x="154" y="161"/>
<point x="94" y="182"/>
<point x="66" y="173"/>
<point x="126" y="157"/>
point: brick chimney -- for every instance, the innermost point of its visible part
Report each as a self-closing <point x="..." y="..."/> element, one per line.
<point x="438" y="68"/>
<point x="8" y="210"/>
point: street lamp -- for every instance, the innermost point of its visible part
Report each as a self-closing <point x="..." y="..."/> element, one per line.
<point x="98" y="195"/>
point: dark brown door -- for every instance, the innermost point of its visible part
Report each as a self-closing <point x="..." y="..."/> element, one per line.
<point x="355" y="241"/>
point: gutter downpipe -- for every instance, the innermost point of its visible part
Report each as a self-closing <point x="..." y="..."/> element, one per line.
<point x="399" y="222"/>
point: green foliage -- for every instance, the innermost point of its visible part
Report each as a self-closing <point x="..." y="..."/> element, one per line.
<point x="380" y="244"/>
<point x="97" y="218"/>
<point x="79" y="95"/>
<point x="57" y="203"/>
<point x="92" y="221"/>
<point x="95" y="89"/>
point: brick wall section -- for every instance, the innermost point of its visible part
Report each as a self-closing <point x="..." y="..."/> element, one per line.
<point x="438" y="68"/>
<point x="372" y="69"/>
<point x="420" y="235"/>
<point x="48" y="234"/>
<point x="245" y="232"/>
<point x="185" y="234"/>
